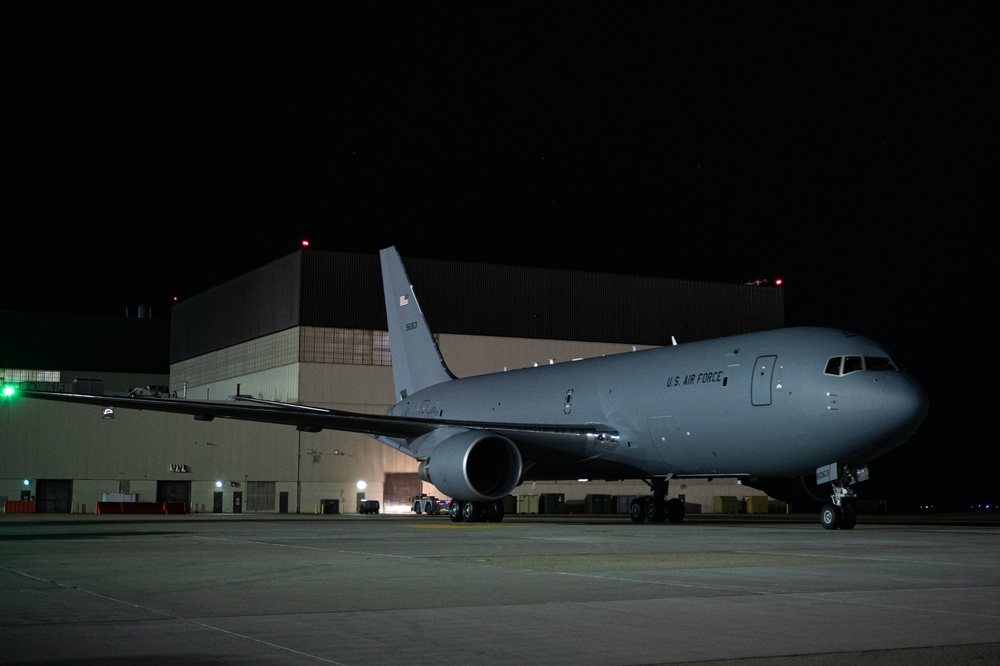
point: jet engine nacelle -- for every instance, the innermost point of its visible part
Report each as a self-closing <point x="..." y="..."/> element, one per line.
<point x="473" y="465"/>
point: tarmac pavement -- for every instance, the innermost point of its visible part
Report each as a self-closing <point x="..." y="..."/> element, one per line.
<point x="382" y="589"/>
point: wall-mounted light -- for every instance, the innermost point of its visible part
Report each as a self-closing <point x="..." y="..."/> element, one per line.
<point x="362" y="485"/>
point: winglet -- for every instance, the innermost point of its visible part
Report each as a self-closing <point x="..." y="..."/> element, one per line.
<point x="416" y="360"/>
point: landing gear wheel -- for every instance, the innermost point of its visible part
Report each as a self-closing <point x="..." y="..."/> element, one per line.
<point x="473" y="512"/>
<point x="675" y="510"/>
<point x="494" y="511"/>
<point x="455" y="511"/>
<point x="654" y="510"/>
<point x="848" y="517"/>
<point x="637" y="510"/>
<point x="830" y="516"/>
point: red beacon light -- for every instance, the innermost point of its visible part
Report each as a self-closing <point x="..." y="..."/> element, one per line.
<point x="778" y="282"/>
<point x="305" y="243"/>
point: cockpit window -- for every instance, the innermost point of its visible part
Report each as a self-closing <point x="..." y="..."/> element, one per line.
<point x="852" y="364"/>
<point x="879" y="363"/>
<point x="845" y="365"/>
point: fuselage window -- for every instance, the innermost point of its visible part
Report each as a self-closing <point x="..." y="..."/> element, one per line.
<point x="833" y="366"/>
<point x="852" y="364"/>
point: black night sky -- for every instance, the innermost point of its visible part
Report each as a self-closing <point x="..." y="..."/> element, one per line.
<point x="154" y="150"/>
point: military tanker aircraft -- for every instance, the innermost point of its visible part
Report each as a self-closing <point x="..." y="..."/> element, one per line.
<point x="771" y="406"/>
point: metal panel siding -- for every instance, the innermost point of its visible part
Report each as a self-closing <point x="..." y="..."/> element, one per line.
<point x="514" y="301"/>
<point x="344" y="290"/>
<point x="258" y="303"/>
<point x="341" y="290"/>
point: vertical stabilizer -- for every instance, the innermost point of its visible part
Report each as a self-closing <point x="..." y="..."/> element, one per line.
<point x="416" y="360"/>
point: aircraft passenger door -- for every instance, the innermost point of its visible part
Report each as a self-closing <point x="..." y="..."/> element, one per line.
<point x="760" y="387"/>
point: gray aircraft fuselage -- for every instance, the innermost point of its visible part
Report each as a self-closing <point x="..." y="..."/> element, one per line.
<point x="755" y="405"/>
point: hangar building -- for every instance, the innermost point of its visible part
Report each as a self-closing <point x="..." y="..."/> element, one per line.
<point x="310" y="328"/>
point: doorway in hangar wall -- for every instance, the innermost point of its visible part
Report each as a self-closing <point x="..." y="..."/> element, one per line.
<point x="760" y="387"/>
<point x="54" y="496"/>
<point x="400" y="488"/>
<point x="174" y="491"/>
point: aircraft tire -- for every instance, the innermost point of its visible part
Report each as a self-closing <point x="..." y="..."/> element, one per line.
<point x="494" y="513"/>
<point x="675" y="510"/>
<point x="848" y="517"/>
<point x="654" y="510"/>
<point x="637" y="510"/>
<point x="455" y="511"/>
<point x="473" y="512"/>
<point x="829" y="516"/>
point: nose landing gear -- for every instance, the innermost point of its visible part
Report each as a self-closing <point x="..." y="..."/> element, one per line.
<point x="839" y="512"/>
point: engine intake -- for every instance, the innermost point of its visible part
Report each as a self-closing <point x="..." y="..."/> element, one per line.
<point x="473" y="465"/>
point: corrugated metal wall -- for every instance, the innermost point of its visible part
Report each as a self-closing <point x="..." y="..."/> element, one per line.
<point x="258" y="303"/>
<point x="341" y="290"/>
<point x="335" y="289"/>
<point x="594" y="307"/>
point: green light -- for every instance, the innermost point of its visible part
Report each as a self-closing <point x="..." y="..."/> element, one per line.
<point x="8" y="391"/>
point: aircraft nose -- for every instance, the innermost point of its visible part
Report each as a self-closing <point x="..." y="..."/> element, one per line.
<point x="904" y="405"/>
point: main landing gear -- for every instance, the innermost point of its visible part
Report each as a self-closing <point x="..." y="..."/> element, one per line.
<point x="475" y="512"/>
<point x="839" y="512"/>
<point x="657" y="508"/>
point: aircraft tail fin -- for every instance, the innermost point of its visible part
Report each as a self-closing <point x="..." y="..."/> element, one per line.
<point x="416" y="359"/>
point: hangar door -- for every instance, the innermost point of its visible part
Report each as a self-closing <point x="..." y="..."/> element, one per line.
<point x="760" y="387"/>
<point x="400" y="489"/>
<point x="54" y="496"/>
<point x="174" y="491"/>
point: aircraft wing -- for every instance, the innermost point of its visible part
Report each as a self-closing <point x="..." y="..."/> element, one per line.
<point x="527" y="436"/>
